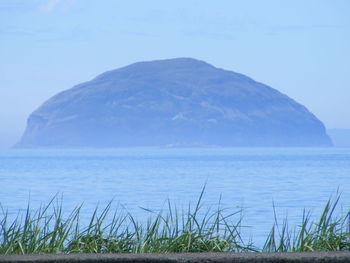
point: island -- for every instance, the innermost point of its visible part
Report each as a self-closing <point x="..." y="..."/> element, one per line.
<point x="181" y="102"/>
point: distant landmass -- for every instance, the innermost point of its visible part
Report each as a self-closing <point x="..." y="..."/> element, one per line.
<point x="340" y="137"/>
<point x="173" y="102"/>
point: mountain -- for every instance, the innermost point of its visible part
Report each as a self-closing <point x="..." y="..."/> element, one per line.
<point x="172" y="102"/>
<point x="340" y="137"/>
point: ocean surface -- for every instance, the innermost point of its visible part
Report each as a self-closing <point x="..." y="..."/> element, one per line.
<point x="250" y="178"/>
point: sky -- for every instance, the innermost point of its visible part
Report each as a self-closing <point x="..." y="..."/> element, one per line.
<point x="301" y="48"/>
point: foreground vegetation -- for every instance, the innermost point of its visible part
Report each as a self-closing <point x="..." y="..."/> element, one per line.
<point x="48" y="230"/>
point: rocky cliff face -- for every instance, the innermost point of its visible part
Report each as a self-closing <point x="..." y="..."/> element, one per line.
<point x="174" y="102"/>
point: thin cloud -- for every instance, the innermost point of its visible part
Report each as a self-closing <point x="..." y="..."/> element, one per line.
<point x="52" y="5"/>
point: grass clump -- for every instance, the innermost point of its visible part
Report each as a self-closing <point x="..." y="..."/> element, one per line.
<point x="329" y="233"/>
<point x="49" y="230"/>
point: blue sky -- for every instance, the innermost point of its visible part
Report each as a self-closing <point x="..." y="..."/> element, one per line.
<point x="301" y="48"/>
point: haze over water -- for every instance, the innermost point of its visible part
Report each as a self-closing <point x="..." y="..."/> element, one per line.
<point x="253" y="178"/>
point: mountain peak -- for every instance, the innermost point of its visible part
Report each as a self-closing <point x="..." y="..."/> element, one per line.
<point x="175" y="62"/>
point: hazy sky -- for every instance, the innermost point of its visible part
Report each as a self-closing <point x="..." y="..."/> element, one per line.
<point x="299" y="47"/>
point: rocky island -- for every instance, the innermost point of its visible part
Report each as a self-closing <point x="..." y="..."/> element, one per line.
<point x="180" y="102"/>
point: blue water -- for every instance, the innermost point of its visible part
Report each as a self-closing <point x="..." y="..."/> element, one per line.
<point x="252" y="178"/>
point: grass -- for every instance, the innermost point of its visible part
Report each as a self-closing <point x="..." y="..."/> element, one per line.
<point x="49" y="230"/>
<point x="329" y="233"/>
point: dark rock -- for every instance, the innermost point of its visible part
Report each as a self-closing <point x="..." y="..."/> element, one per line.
<point x="174" y="102"/>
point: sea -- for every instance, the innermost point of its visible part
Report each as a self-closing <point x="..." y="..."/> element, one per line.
<point x="265" y="185"/>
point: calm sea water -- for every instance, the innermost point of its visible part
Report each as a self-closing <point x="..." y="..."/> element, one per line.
<point x="253" y="178"/>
